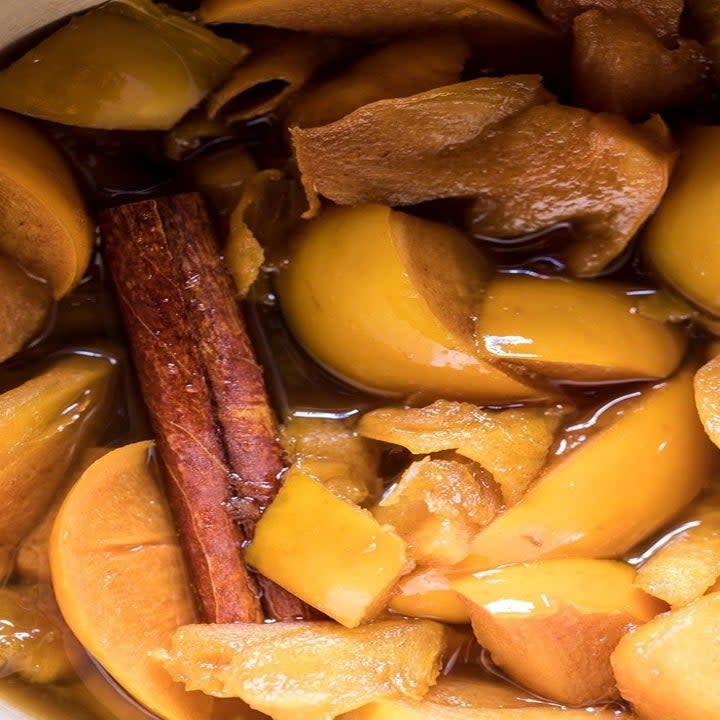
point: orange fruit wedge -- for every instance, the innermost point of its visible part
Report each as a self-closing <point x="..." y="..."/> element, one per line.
<point x="121" y="584"/>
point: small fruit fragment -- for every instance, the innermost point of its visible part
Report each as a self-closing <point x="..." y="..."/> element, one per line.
<point x="476" y="698"/>
<point x="551" y="625"/>
<point x="687" y="565"/>
<point x="43" y="222"/>
<point x="32" y="562"/>
<point x="128" y="64"/>
<point x="385" y="300"/>
<point x="334" y="454"/>
<point x="681" y="239"/>
<point x="569" y="329"/>
<point x="24" y="304"/>
<point x="707" y="397"/>
<point x="511" y="444"/>
<point x="640" y="461"/>
<point x="307" y="671"/>
<point x="32" y="635"/>
<point x="120" y="581"/>
<point x="668" y="668"/>
<point x="438" y="506"/>
<point x="43" y="424"/>
<point x="662" y="16"/>
<point x="620" y="66"/>
<point x="426" y="593"/>
<point x="326" y="551"/>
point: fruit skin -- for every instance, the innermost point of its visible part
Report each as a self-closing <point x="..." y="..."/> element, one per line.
<point x="570" y="330"/>
<point x="120" y="581"/>
<point x="622" y="483"/>
<point x="361" y="292"/>
<point x="307" y="670"/>
<point x="43" y="222"/>
<point x="328" y="552"/>
<point x="681" y="241"/>
<point x="668" y="668"/>
<point x="552" y="624"/>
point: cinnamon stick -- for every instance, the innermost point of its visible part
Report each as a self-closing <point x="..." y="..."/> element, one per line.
<point x="216" y="435"/>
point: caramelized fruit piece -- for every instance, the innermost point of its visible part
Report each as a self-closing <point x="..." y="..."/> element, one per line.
<point x="437" y="507"/>
<point x="662" y="16"/>
<point x="43" y="223"/>
<point x="620" y="66"/>
<point x="705" y="20"/>
<point x="569" y="330"/>
<point x="403" y="151"/>
<point x="707" y="397"/>
<point x="128" y="64"/>
<point x="24" y="304"/>
<point x="426" y="593"/>
<point x="120" y="581"/>
<point x="335" y="455"/>
<point x="460" y="698"/>
<point x="489" y="19"/>
<point x="689" y="563"/>
<point x="530" y="165"/>
<point x="32" y="562"/>
<point x="385" y="300"/>
<point x="308" y="671"/>
<point x="43" y="424"/>
<point x="551" y="625"/>
<point x="680" y="242"/>
<point x="32" y="635"/>
<point x="326" y="551"/>
<point x="668" y="668"/>
<point x="636" y="468"/>
<point x="511" y="444"/>
<point x="271" y="77"/>
<point x="400" y="68"/>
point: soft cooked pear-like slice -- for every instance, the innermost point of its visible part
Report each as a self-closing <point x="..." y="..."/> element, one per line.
<point x="624" y="471"/>
<point x="551" y="625"/>
<point x="43" y="222"/>
<point x="24" y="304"/>
<point x="400" y="68"/>
<point x="488" y="19"/>
<point x="270" y="77"/>
<point x="688" y="564"/>
<point x="43" y="424"/>
<point x="32" y="562"/>
<point x="385" y="301"/>
<point x="326" y="551"/>
<point x="707" y="397"/>
<point x="370" y="155"/>
<point x="619" y="65"/>
<point x="542" y="165"/>
<point x="120" y="580"/>
<point x="307" y="671"/>
<point x="476" y="698"/>
<point x="569" y="330"/>
<point x="680" y="238"/>
<point x="668" y="668"/>
<point x="511" y="444"/>
<point x="128" y="64"/>
<point x="426" y="593"/>
<point x="333" y="453"/>
<point x="662" y="16"/>
<point x="438" y="506"/>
